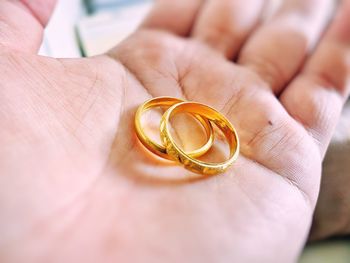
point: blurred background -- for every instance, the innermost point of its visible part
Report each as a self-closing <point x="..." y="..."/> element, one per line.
<point x="89" y="27"/>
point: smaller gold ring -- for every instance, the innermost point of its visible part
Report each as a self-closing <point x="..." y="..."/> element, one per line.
<point x="213" y="116"/>
<point x="160" y="149"/>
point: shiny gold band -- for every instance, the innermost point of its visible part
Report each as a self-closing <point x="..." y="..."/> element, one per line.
<point x="159" y="149"/>
<point x="189" y="162"/>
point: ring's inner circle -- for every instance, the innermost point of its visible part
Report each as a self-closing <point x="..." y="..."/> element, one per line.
<point x="187" y="132"/>
<point x="215" y="117"/>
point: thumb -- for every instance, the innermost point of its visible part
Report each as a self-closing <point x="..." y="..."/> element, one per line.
<point x="22" y="23"/>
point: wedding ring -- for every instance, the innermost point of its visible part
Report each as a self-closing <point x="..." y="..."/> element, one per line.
<point x="189" y="162"/>
<point x="158" y="149"/>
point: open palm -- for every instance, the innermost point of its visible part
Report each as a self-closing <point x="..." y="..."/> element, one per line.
<point x="76" y="185"/>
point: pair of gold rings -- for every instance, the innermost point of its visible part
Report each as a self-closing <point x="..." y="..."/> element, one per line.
<point x="171" y="151"/>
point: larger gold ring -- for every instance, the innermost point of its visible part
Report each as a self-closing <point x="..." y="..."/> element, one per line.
<point x="160" y="149"/>
<point x="189" y="162"/>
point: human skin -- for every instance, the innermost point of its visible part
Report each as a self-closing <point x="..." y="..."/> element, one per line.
<point x="75" y="183"/>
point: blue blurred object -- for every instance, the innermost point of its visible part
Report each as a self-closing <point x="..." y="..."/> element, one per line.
<point x="94" y="6"/>
<point x="111" y="22"/>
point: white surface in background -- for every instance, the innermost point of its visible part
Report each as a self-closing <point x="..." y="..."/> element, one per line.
<point x="60" y="37"/>
<point x="101" y="32"/>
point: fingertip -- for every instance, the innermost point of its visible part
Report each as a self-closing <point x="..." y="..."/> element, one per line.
<point x="41" y="9"/>
<point x="225" y="25"/>
<point x="173" y="16"/>
<point x="23" y="23"/>
<point x="339" y="29"/>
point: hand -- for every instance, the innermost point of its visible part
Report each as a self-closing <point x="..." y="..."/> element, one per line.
<point x="76" y="184"/>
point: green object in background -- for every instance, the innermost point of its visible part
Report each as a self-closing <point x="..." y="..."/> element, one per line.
<point x="329" y="251"/>
<point x="94" y="6"/>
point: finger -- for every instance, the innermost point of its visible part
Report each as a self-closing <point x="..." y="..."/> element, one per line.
<point x="40" y="9"/>
<point x="316" y="98"/>
<point x="174" y="16"/>
<point x="277" y="50"/>
<point x="225" y="25"/>
<point x="22" y="23"/>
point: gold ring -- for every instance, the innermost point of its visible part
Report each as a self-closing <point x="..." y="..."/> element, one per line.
<point x="160" y="149"/>
<point x="190" y="163"/>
